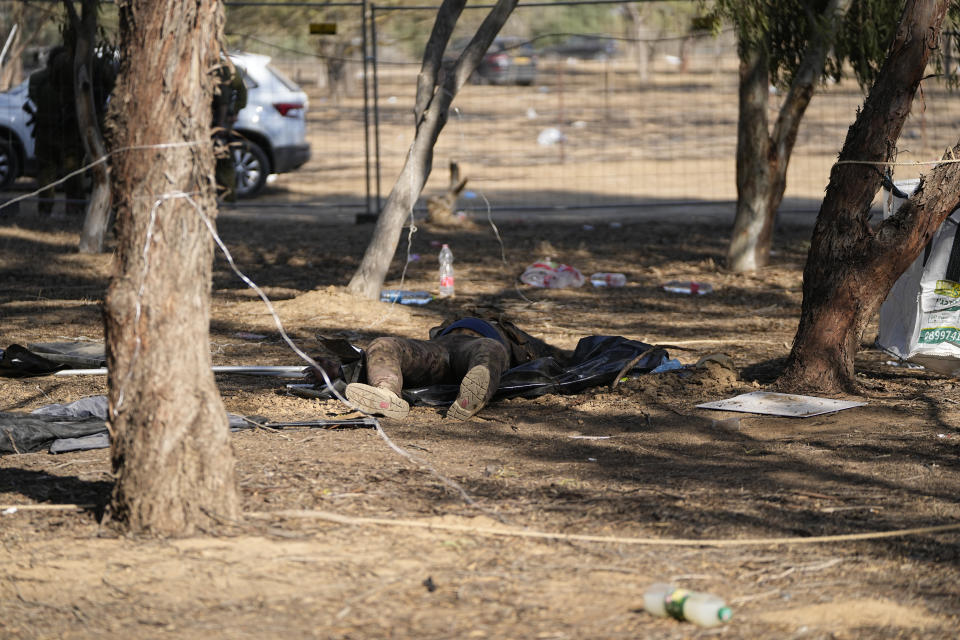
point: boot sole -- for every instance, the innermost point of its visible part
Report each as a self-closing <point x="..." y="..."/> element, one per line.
<point x="473" y="391"/>
<point x="377" y="401"/>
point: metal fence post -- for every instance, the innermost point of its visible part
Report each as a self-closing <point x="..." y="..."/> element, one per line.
<point x="368" y="215"/>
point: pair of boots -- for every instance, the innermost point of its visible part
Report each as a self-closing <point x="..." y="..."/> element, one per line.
<point x="474" y="392"/>
<point x="475" y="362"/>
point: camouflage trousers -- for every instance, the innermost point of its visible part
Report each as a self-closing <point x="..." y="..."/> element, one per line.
<point x="393" y="363"/>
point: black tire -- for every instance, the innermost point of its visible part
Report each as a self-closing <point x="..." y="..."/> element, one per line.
<point x="252" y="167"/>
<point x="9" y="164"/>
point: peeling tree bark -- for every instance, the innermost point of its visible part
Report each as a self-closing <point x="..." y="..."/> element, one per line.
<point x="435" y="93"/>
<point x="171" y="451"/>
<point x="851" y="266"/>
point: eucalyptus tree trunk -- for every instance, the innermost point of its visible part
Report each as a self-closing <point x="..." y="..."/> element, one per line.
<point x="171" y="453"/>
<point x="763" y="156"/>
<point x="98" y="207"/>
<point x="435" y="93"/>
<point x="851" y="266"/>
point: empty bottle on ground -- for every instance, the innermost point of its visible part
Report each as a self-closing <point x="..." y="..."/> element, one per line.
<point x="703" y="609"/>
<point x="446" y="272"/>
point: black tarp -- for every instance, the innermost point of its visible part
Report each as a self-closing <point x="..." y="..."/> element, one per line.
<point x="595" y="362"/>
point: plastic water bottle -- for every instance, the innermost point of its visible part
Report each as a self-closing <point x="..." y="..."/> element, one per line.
<point x="446" y="272"/>
<point x="402" y="296"/>
<point x="702" y="609"/>
<point x="608" y="280"/>
<point x="687" y="286"/>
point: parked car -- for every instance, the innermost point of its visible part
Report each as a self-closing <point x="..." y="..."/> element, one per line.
<point x="584" y="46"/>
<point x="509" y="60"/>
<point x="270" y="132"/>
<point x="16" y="136"/>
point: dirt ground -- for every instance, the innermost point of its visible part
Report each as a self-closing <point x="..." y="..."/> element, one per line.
<point x="632" y="466"/>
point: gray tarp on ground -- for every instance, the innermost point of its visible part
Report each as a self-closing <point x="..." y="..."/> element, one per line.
<point x="67" y="427"/>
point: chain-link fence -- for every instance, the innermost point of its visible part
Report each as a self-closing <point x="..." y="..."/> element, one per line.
<point x="629" y="108"/>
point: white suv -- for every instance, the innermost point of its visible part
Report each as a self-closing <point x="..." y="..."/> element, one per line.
<point x="272" y="128"/>
<point x="270" y="131"/>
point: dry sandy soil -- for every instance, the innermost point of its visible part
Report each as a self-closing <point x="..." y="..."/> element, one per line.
<point x="736" y="504"/>
<point x="664" y="470"/>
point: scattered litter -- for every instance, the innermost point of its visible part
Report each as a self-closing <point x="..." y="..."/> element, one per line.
<point x="469" y="195"/>
<point x="392" y="100"/>
<point x="608" y="279"/>
<point x="531" y="113"/>
<point x="669" y="365"/>
<point x="552" y="275"/>
<point x="550" y="136"/>
<point x="904" y="364"/>
<point x="589" y="437"/>
<point x="688" y="287"/>
<point x="413" y="257"/>
<point x="702" y="609"/>
<point x="246" y="335"/>
<point x="9" y="511"/>
<point x="947" y="436"/>
<point x="591" y="459"/>
<point x="402" y="296"/>
<point x="579" y="124"/>
<point x="781" y="404"/>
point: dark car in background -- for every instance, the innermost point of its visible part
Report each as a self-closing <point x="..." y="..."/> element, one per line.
<point x="585" y="47"/>
<point x="509" y="60"/>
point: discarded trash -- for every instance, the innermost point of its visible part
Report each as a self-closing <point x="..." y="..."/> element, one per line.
<point x="9" y="511"/>
<point x="688" y="287"/>
<point x="594" y="437"/>
<point x="903" y="363"/>
<point x="469" y="194"/>
<point x="405" y="297"/>
<point x="703" y="609"/>
<point x="413" y="257"/>
<point x="919" y="318"/>
<point x="531" y="113"/>
<point x="446" y="272"/>
<point x="550" y="136"/>
<point x="608" y="279"/>
<point x="668" y="365"/>
<point x="781" y="404"/>
<point x="551" y="275"/>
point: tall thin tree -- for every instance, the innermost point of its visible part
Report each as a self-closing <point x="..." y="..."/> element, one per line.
<point x="84" y="28"/>
<point x="171" y="452"/>
<point x="795" y="45"/>
<point x="435" y="93"/>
